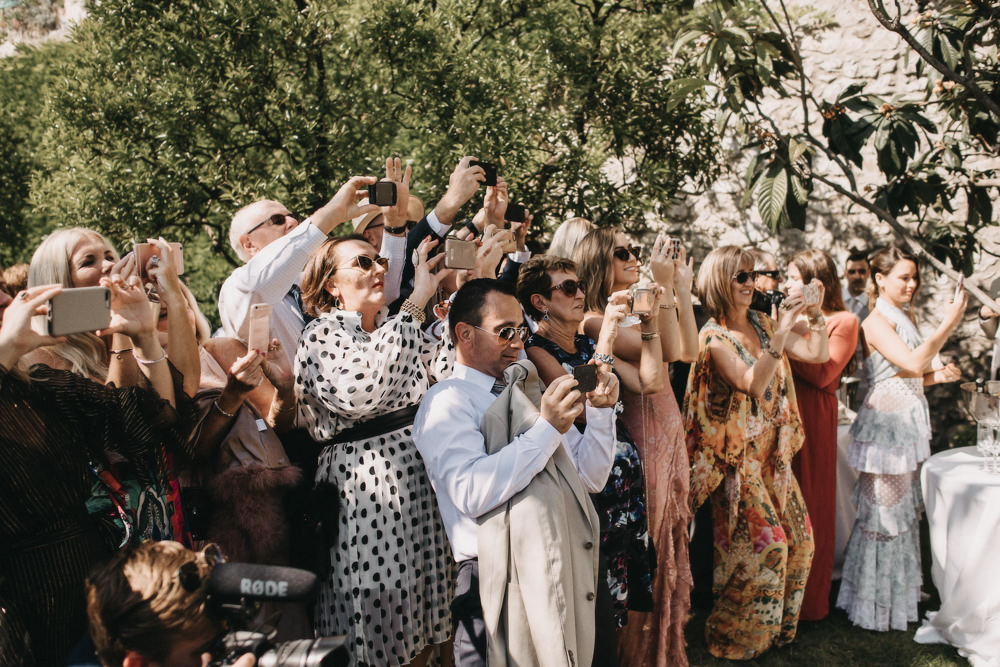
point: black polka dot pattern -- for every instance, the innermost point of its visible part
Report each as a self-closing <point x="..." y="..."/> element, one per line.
<point x="391" y="582"/>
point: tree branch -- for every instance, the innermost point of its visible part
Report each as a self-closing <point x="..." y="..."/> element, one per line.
<point x="894" y="25"/>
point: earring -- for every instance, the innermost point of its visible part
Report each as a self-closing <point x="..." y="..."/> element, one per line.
<point x="545" y="316"/>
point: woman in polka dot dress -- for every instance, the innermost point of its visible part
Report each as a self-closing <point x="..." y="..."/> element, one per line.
<point x="359" y="378"/>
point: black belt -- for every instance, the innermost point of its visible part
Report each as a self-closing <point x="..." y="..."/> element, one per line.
<point x="387" y="423"/>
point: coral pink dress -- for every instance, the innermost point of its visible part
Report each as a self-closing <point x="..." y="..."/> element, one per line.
<point x="656" y="425"/>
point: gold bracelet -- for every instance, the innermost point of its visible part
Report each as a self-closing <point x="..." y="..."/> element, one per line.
<point x="671" y="306"/>
<point x="118" y="353"/>
<point x="415" y="312"/>
<point x="650" y="335"/>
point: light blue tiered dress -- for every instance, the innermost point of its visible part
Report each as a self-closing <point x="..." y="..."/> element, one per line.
<point x="889" y="440"/>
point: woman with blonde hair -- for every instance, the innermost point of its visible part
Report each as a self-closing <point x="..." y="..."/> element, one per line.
<point x="743" y="428"/>
<point x="568" y="236"/>
<point x="816" y="387"/>
<point x="607" y="263"/>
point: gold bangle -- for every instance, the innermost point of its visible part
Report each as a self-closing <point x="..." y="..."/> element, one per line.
<point x="650" y="335"/>
<point x="671" y="306"/>
<point x="415" y="312"/>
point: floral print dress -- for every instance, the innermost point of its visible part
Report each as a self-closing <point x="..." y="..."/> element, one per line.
<point x="625" y="542"/>
<point x="741" y="451"/>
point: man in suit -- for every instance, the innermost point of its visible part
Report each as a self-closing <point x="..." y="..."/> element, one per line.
<point x="512" y="472"/>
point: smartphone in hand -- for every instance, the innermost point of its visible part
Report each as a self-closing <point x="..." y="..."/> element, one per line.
<point x="642" y="301"/>
<point x="489" y="168"/>
<point x="586" y="377"/>
<point x="459" y="254"/>
<point x="259" y="335"/>
<point x="146" y="251"/>
<point x="79" y="309"/>
<point x="515" y="213"/>
<point x="382" y="193"/>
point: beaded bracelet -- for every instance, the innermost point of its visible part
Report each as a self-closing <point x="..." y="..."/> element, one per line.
<point x="770" y="350"/>
<point x="605" y="359"/>
<point x="414" y="311"/>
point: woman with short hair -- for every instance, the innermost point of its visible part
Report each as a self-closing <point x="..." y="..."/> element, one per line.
<point x="743" y="429"/>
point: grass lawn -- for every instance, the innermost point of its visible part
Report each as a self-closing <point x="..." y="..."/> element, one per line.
<point x="835" y="641"/>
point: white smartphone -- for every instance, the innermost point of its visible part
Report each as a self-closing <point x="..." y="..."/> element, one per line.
<point x="259" y="336"/>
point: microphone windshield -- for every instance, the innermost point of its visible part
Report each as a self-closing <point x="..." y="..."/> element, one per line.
<point x="233" y="581"/>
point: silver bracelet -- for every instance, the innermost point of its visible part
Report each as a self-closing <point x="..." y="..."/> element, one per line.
<point x="605" y="359"/>
<point x="144" y="362"/>
<point x="215" y="404"/>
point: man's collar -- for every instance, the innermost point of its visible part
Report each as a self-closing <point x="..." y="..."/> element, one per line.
<point x="470" y="374"/>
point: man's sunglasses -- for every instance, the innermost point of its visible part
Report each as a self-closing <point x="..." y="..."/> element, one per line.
<point x="770" y="274"/>
<point x="743" y="276"/>
<point x="276" y="219"/>
<point x="624" y="252"/>
<point x="568" y="287"/>
<point x="365" y="263"/>
<point x="507" y="334"/>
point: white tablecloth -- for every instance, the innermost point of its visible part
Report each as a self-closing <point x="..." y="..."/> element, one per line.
<point x="963" y="510"/>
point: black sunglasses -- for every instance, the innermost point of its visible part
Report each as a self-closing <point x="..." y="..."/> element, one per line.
<point x="770" y="274"/>
<point x="568" y="287"/>
<point x="623" y="252"/>
<point x="276" y="219"/>
<point x="365" y="263"/>
<point x="743" y="276"/>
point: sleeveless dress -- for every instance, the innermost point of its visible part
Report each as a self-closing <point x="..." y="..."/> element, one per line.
<point x="741" y="450"/>
<point x="889" y="438"/>
<point x="658" y="428"/>
<point x="621" y="505"/>
<point x="390" y="584"/>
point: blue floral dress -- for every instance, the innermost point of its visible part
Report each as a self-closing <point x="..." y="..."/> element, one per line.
<point x="625" y="543"/>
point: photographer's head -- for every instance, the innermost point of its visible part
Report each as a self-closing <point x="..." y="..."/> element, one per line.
<point x="148" y="606"/>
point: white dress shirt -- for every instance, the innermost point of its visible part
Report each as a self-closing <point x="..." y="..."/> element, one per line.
<point x="393" y="249"/>
<point x="470" y="483"/>
<point x="267" y="278"/>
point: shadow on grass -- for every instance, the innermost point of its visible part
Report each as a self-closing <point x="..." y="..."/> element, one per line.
<point x="836" y="641"/>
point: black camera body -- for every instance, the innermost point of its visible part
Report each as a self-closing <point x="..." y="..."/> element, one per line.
<point x="765" y="301"/>
<point x="235" y="591"/>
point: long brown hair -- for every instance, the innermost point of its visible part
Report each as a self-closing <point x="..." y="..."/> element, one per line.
<point x="595" y="266"/>
<point x="817" y="264"/>
<point x="883" y="261"/>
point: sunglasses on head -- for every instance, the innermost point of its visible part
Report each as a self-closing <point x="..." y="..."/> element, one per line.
<point x="568" y="287"/>
<point x="770" y="274"/>
<point x="624" y="252"/>
<point x="743" y="276"/>
<point x="365" y="263"/>
<point x="276" y="219"/>
<point x="506" y="334"/>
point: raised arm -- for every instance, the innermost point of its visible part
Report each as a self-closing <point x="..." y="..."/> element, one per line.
<point x="881" y="335"/>
<point x="843" y="342"/>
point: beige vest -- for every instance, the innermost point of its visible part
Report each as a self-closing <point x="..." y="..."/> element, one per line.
<point x="537" y="551"/>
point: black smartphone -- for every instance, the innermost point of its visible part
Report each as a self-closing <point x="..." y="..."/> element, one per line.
<point x="515" y="213"/>
<point x="489" y="168"/>
<point x="382" y="193"/>
<point x="586" y="377"/>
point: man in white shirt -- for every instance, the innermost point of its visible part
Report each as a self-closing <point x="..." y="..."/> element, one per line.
<point x="487" y="326"/>
<point x="856" y="276"/>
<point x="275" y="247"/>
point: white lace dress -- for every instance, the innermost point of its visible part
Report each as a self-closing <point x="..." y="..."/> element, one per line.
<point x="391" y="581"/>
<point x="889" y="439"/>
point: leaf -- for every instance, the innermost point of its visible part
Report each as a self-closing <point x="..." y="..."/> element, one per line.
<point x="771" y="193"/>
<point x="796" y="149"/>
<point x="800" y="191"/>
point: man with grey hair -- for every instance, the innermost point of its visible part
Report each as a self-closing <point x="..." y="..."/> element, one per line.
<point x="275" y="247"/>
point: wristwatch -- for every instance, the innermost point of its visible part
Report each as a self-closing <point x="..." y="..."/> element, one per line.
<point x="396" y="231"/>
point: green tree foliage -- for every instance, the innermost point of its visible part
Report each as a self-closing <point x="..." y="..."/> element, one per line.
<point x="169" y="116"/>
<point x="939" y="178"/>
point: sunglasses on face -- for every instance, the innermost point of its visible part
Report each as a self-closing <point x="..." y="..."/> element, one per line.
<point x="770" y="274"/>
<point x="365" y="263"/>
<point x="624" y="252"/>
<point x="506" y="334"/>
<point x="276" y="219"/>
<point x="743" y="276"/>
<point x="569" y="287"/>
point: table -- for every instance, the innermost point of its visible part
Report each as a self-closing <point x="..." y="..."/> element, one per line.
<point x="963" y="510"/>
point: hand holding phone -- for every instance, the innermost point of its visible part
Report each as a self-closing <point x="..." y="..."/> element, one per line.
<point x="79" y="309"/>
<point x="515" y="213"/>
<point x="489" y="168"/>
<point x="144" y="252"/>
<point x="382" y="193"/>
<point x="459" y="254"/>
<point x="642" y="301"/>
